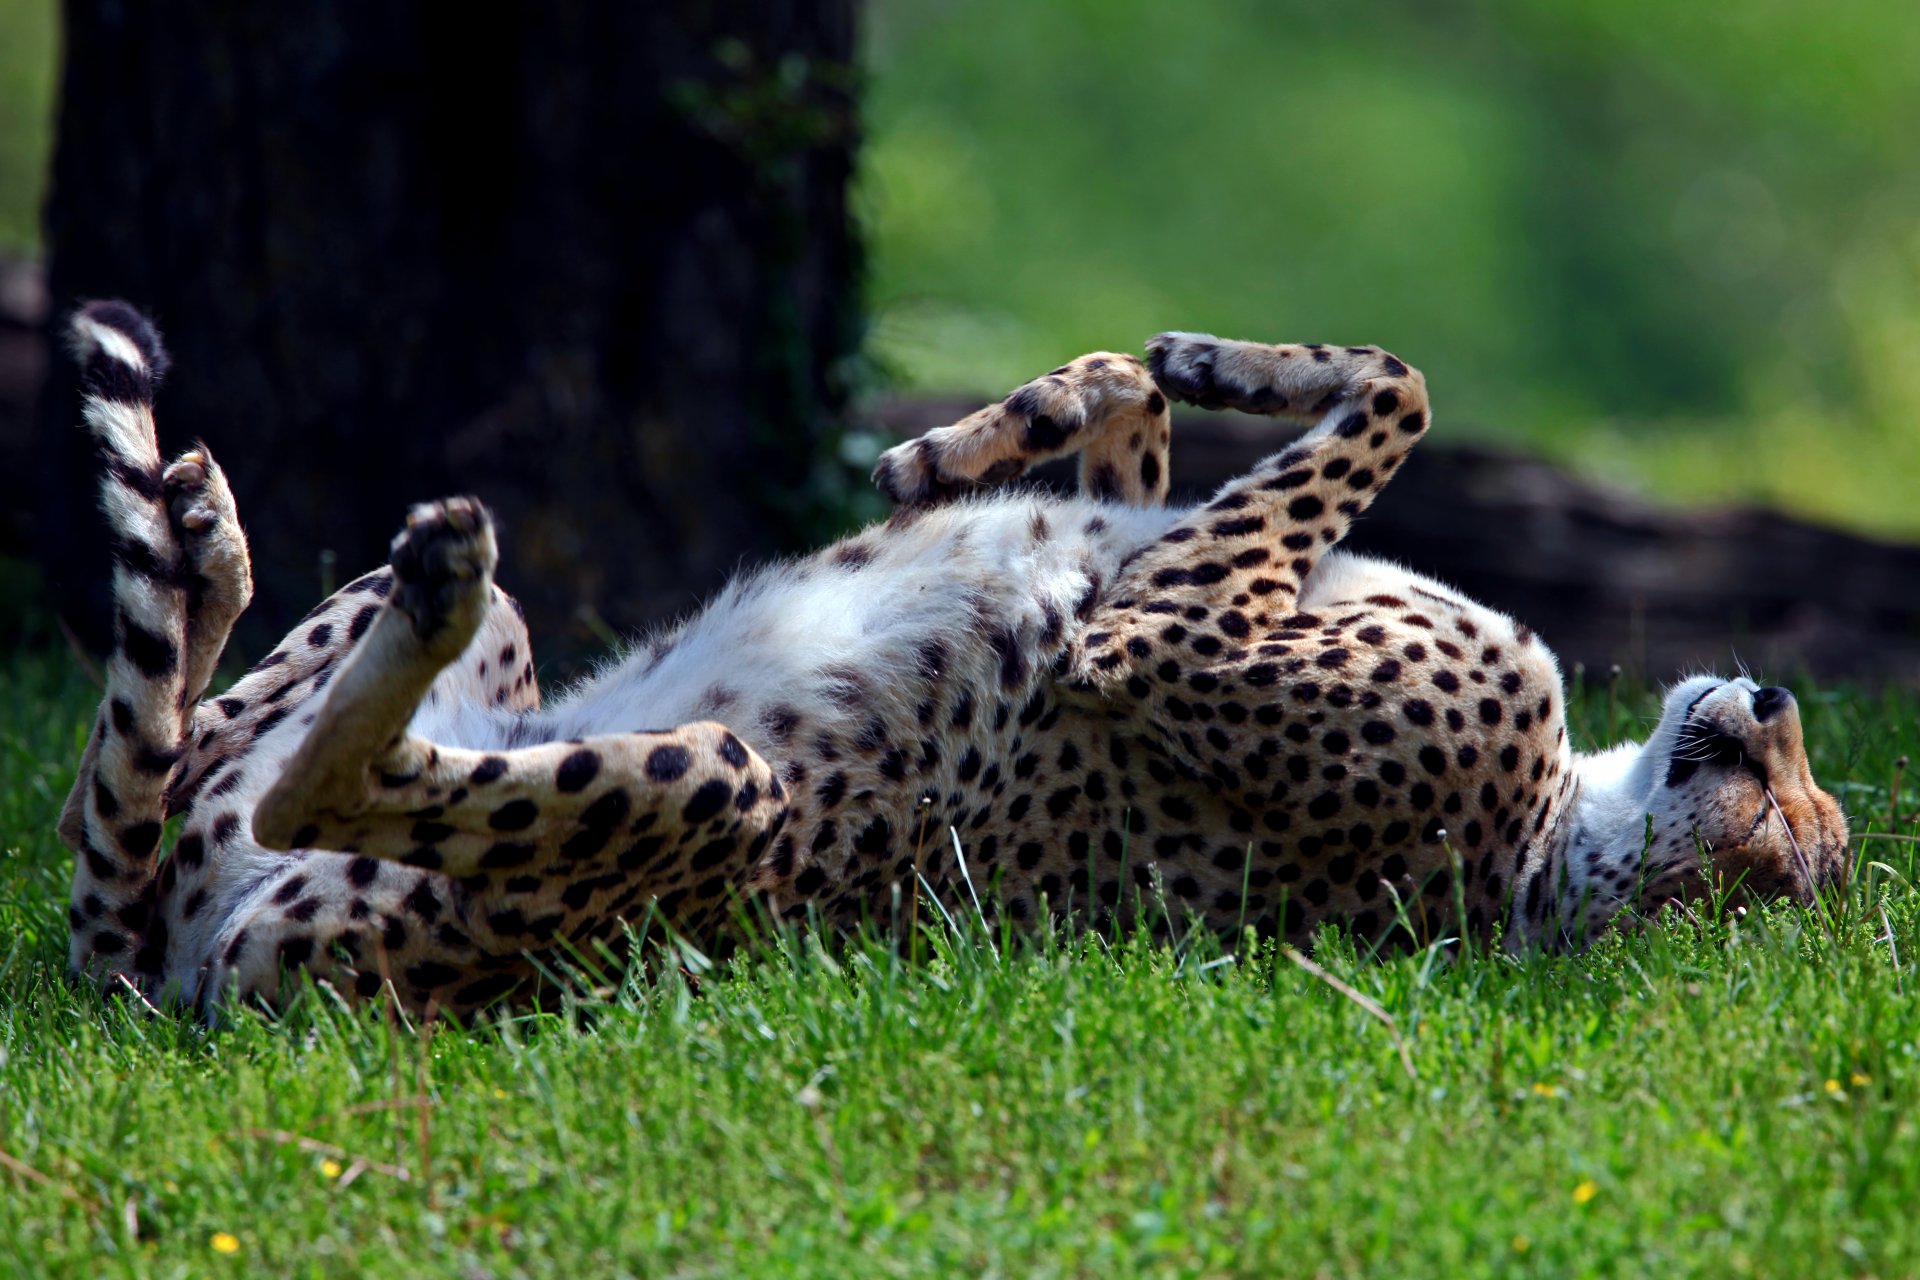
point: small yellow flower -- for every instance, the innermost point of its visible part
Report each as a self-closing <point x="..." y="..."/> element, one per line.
<point x="1859" y="1078"/>
<point x="1521" y="1244"/>
<point x="500" y="1093"/>
<point x="1833" y="1086"/>
<point x="1585" y="1192"/>
<point x="1544" y="1090"/>
<point x="225" y="1242"/>
<point x="330" y="1168"/>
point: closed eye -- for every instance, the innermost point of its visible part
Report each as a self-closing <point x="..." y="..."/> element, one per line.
<point x="1703" y="745"/>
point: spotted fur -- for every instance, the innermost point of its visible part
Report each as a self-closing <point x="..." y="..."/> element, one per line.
<point x="1096" y="702"/>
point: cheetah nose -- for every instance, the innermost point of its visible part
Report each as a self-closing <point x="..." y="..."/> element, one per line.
<point x="1770" y="700"/>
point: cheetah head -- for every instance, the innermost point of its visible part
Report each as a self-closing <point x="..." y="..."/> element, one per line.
<point x="1730" y="777"/>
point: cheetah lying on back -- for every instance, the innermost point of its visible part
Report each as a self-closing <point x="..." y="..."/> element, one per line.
<point x="1095" y="700"/>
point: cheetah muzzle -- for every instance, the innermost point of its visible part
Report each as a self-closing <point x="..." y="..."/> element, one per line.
<point x="1096" y="701"/>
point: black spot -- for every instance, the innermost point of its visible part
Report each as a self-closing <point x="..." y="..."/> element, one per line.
<point x="515" y="815"/>
<point x="851" y="555"/>
<point x="1044" y="433"/>
<point x="577" y="770"/>
<point x="668" y="762"/>
<point x="1305" y="507"/>
<point x="362" y="620"/>
<point x="874" y="839"/>
<point x="140" y="839"/>
<point x="488" y="770"/>
<point x="708" y="800"/>
<point x="1013" y="660"/>
<point x="430" y="973"/>
<point x="1237" y="528"/>
<point x="1433" y="760"/>
<point x="711" y="854"/>
<point x="423" y="901"/>
<point x="269" y="722"/>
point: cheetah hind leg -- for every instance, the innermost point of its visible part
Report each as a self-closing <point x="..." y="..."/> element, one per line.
<point x="1239" y="562"/>
<point x="219" y="572"/>
<point x="552" y="841"/>
<point x="217" y="578"/>
<point x="1104" y="407"/>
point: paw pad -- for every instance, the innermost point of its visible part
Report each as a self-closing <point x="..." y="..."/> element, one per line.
<point x="442" y="566"/>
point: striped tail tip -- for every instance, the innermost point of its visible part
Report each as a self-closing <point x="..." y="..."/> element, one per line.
<point x="119" y="350"/>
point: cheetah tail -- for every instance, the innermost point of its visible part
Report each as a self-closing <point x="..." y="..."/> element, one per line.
<point x="113" y="815"/>
<point x="121" y="361"/>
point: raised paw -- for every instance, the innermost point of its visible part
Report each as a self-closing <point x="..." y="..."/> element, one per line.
<point x="916" y="474"/>
<point x="443" y="571"/>
<point x="1184" y="366"/>
<point x="201" y="509"/>
<point x="1053" y="415"/>
<point x="1289" y="381"/>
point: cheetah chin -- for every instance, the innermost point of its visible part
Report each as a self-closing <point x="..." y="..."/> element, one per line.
<point x="1097" y="706"/>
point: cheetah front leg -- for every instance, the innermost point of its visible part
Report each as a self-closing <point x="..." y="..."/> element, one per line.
<point x="1104" y="407"/>
<point x="525" y="846"/>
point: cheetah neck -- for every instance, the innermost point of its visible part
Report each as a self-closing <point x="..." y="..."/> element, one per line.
<point x="1597" y="864"/>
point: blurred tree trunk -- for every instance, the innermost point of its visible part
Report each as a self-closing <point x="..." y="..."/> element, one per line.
<point x="592" y="262"/>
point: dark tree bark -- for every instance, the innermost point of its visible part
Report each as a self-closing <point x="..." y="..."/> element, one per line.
<point x="589" y="261"/>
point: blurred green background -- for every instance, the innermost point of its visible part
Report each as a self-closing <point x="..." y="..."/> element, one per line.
<point x="1678" y="245"/>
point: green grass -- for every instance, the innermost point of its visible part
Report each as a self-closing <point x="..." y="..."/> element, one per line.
<point x="1729" y="1099"/>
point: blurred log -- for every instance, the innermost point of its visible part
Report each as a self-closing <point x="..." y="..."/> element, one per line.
<point x="591" y="262"/>
<point x="1604" y="576"/>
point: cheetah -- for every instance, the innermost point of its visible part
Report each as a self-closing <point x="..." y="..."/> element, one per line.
<point x="1057" y="705"/>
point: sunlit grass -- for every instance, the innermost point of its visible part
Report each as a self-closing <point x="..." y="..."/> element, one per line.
<point x="1735" y="1097"/>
